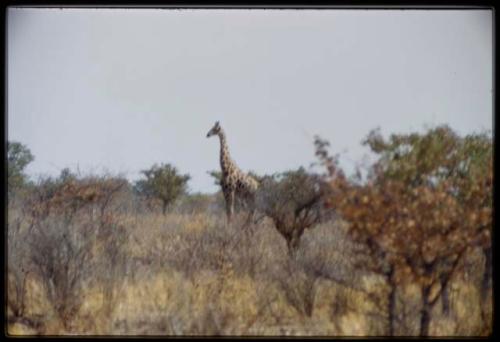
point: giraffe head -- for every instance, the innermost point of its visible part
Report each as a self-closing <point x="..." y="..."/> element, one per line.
<point x="215" y="130"/>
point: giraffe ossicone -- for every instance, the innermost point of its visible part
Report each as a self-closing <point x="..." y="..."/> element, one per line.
<point x="235" y="183"/>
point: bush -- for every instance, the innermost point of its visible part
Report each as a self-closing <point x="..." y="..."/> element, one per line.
<point x="163" y="183"/>
<point x="18" y="266"/>
<point x="294" y="202"/>
<point x="61" y="256"/>
<point x="18" y="157"/>
<point x="75" y="240"/>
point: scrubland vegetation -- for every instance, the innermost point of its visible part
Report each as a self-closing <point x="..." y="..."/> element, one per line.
<point x="406" y="251"/>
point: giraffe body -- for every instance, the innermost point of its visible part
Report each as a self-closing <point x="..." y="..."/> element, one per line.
<point x="235" y="183"/>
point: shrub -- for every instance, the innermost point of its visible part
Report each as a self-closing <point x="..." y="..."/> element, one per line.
<point x="18" y="266"/>
<point x="61" y="256"/>
<point x="293" y="201"/>
<point x="162" y="183"/>
<point x="18" y="157"/>
<point x="75" y="241"/>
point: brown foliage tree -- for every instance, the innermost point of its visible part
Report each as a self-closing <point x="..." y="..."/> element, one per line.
<point x="426" y="202"/>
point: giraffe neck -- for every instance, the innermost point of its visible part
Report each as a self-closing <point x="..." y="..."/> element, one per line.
<point x="225" y="159"/>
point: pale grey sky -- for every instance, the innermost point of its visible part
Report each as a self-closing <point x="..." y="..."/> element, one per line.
<point x="121" y="89"/>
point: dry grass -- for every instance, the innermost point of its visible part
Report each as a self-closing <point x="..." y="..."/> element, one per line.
<point x="191" y="274"/>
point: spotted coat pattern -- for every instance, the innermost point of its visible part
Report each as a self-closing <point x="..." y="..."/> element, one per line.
<point x="235" y="183"/>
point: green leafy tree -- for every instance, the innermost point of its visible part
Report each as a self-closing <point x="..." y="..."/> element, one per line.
<point x="163" y="183"/>
<point x="18" y="157"/>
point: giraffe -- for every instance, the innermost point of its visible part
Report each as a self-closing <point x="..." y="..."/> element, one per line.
<point x="234" y="181"/>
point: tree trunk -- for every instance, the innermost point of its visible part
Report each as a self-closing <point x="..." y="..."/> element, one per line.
<point x="487" y="305"/>
<point x="425" y="317"/>
<point x="445" y="296"/>
<point x="391" y="303"/>
<point x="486" y="282"/>
<point x="164" y="208"/>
